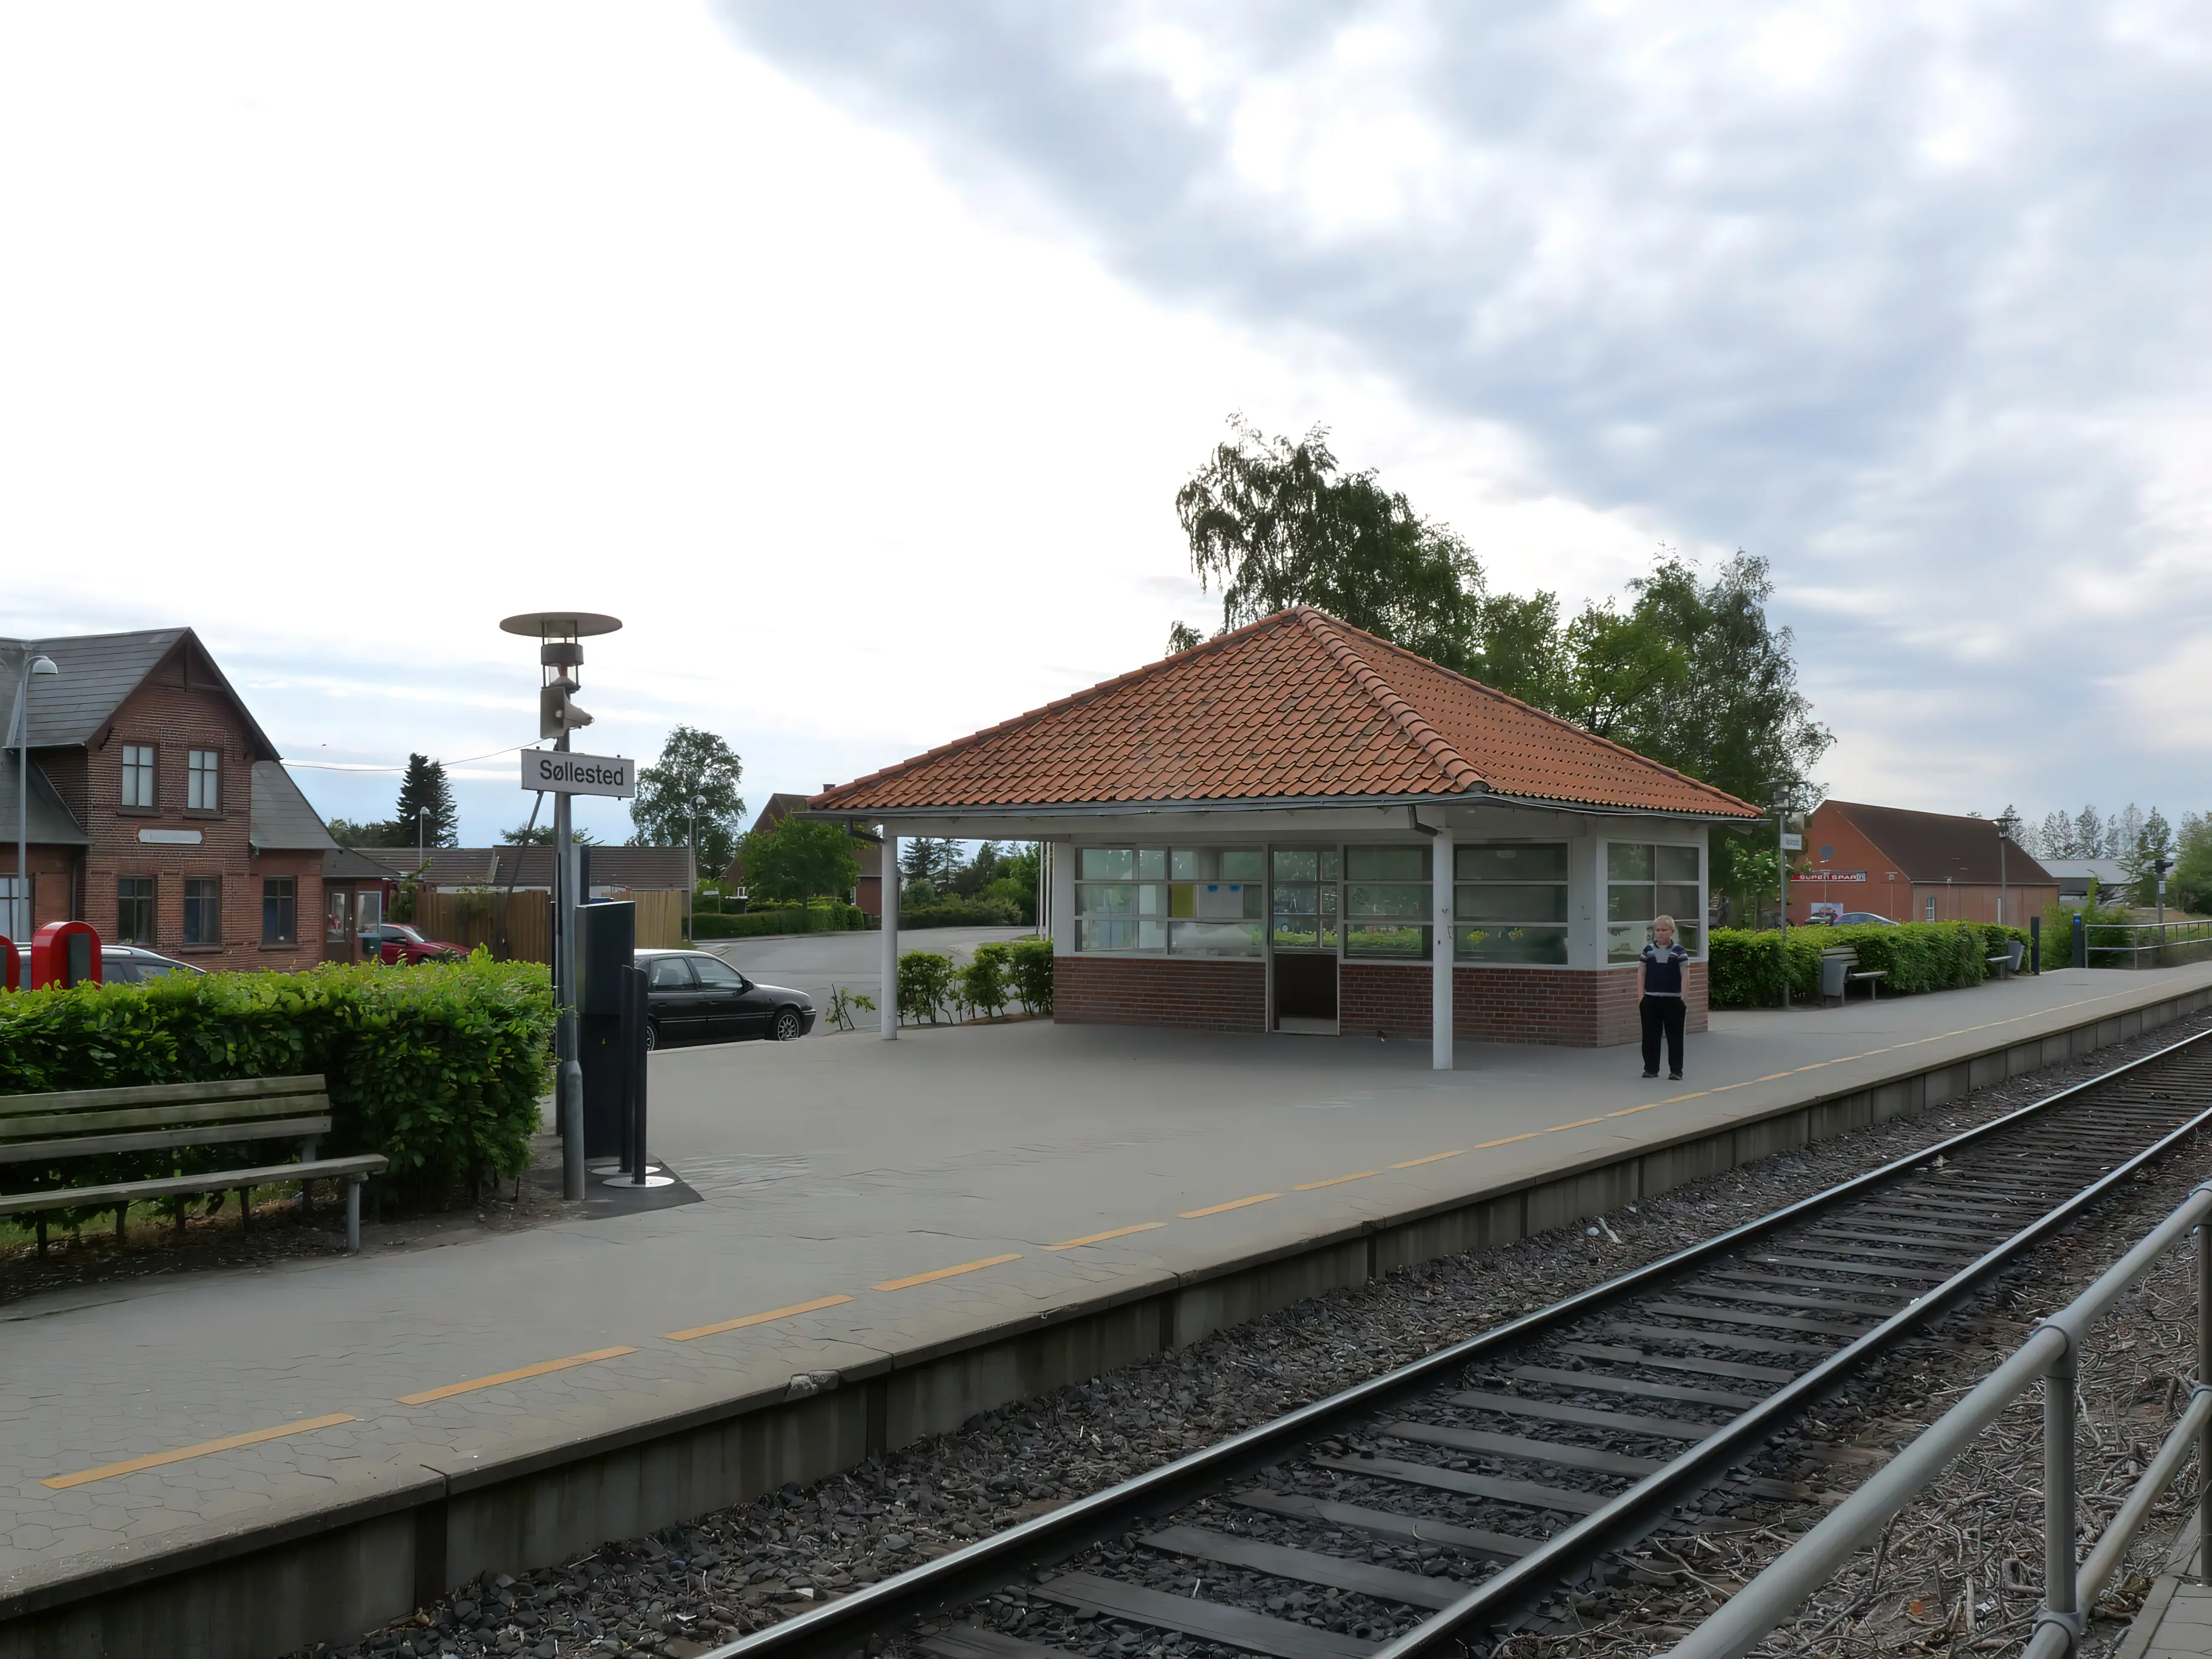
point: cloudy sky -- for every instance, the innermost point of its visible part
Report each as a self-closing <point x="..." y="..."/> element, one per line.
<point x="852" y="354"/>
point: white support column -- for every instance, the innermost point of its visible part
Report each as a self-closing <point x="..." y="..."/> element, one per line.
<point x="888" y="998"/>
<point x="1441" y="872"/>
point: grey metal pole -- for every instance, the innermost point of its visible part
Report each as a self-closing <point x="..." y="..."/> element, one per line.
<point x="570" y="1095"/>
<point x="2203" y="1377"/>
<point x="2059" y="1510"/>
<point x="1781" y="875"/>
<point x="22" y="718"/>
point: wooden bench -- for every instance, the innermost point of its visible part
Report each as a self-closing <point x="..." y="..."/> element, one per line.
<point x="56" y="1128"/>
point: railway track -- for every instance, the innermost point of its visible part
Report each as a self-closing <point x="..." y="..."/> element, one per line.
<point x="1433" y="1506"/>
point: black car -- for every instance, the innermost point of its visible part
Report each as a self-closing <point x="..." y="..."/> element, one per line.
<point x="132" y="964"/>
<point x="693" y="997"/>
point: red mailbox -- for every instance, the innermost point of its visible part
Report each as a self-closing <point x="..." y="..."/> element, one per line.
<point x="64" y="953"/>
<point x="11" y="964"/>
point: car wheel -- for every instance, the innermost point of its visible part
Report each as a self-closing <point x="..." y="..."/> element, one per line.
<point x="786" y="1026"/>
<point x="652" y="1036"/>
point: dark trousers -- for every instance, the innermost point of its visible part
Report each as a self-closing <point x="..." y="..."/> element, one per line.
<point x="1662" y="1014"/>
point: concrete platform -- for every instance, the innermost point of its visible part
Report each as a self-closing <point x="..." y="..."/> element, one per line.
<point x="892" y="1237"/>
<point x="2176" y="1620"/>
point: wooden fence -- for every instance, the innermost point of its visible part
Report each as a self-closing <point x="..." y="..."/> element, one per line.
<point x="519" y="927"/>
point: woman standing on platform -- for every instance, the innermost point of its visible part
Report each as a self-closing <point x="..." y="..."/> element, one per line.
<point x="1662" y="1008"/>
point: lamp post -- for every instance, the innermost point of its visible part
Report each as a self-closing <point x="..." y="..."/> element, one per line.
<point x="692" y="848"/>
<point x="2005" y="824"/>
<point x="19" y="724"/>
<point x="421" y="857"/>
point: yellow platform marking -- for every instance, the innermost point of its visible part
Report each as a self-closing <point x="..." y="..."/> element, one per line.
<point x="1233" y="1204"/>
<point x="1631" y="1111"/>
<point x="521" y="1373"/>
<point x="1336" y="1180"/>
<point x="697" y="1331"/>
<point x="1507" y="1141"/>
<point x="946" y="1273"/>
<point x="1579" y="1123"/>
<point x="108" y="1471"/>
<point x="1100" y="1238"/>
<point x="1433" y="1158"/>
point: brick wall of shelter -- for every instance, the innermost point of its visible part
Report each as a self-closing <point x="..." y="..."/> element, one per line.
<point x="1222" y="996"/>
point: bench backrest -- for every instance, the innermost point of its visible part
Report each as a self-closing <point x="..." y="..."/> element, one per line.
<point x="146" y="1117"/>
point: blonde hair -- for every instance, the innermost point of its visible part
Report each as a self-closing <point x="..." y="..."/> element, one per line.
<point x="1667" y="922"/>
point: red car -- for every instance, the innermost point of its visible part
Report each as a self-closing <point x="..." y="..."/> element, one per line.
<point x="395" y="942"/>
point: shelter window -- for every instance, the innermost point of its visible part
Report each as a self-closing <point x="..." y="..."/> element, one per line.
<point x="1181" y="900"/>
<point x="1509" y="903"/>
<point x="1644" y="881"/>
<point x="1386" y="903"/>
<point x="134" y="910"/>
<point x="203" y="780"/>
<point x="1305" y="916"/>
<point x="203" y="910"/>
<point x="138" y="775"/>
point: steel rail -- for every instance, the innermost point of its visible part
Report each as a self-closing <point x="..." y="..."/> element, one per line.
<point x="842" y="1626"/>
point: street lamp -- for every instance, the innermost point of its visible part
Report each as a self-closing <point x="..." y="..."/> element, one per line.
<point x="20" y="725"/>
<point x="421" y="857"/>
<point x="2006" y="823"/>
<point x="691" y="848"/>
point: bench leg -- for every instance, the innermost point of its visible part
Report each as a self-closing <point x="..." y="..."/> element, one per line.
<point x="353" y="1216"/>
<point x="245" y="1209"/>
<point x="42" y="1233"/>
<point x="122" y="1224"/>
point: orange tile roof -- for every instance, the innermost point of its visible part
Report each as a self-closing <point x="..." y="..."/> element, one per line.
<point x="1296" y="706"/>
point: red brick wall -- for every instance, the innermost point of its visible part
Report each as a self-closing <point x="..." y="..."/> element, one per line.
<point x="1224" y="996"/>
<point x="1572" y="1007"/>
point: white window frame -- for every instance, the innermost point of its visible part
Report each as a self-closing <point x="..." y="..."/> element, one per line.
<point x="1155" y="927"/>
<point x="1417" y="915"/>
<point x="1607" y="882"/>
<point x="203" y="780"/>
<point x="139" y="770"/>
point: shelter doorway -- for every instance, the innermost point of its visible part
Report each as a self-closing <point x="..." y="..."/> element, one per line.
<point x="1304" y="938"/>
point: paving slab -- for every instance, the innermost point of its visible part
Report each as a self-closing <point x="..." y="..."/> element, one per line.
<point x="858" y="1200"/>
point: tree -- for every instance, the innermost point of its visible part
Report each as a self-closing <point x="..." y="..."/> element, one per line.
<point x="2122" y="830"/>
<point x="423" y="788"/>
<point x="348" y="833"/>
<point x="926" y="858"/>
<point x="2088" y="841"/>
<point x="795" y="859"/>
<point x="693" y="765"/>
<point x="1181" y="636"/>
<point x="541" y="834"/>
<point x="2054" y="837"/>
<point x="2153" y="840"/>
<point x="2190" y="887"/>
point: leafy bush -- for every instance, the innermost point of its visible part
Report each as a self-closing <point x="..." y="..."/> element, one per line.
<point x="961" y="913"/>
<point x="1745" y="967"/>
<point x="439" y="1068"/>
<point x="754" y="924"/>
<point x="844" y="1004"/>
<point x="925" y="985"/>
<point x="983" y="981"/>
<point x="1031" y="972"/>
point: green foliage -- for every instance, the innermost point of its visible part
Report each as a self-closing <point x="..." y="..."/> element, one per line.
<point x="693" y="765"/>
<point x="986" y="912"/>
<point x="794" y="860"/>
<point x="925" y="985"/>
<point x="928" y="861"/>
<point x="1746" y="966"/>
<point x="2190" y="887"/>
<point x="844" y="1004"/>
<point x="439" y="1068"/>
<point x="820" y="918"/>
<point x="541" y="834"/>
<point x="1030" y="969"/>
<point x="983" y="987"/>
<point x="424" y="787"/>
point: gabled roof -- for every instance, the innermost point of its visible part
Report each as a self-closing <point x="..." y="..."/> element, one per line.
<point x="281" y="818"/>
<point x="52" y="823"/>
<point x="1295" y="707"/>
<point x="99" y="673"/>
<point x="1939" y="846"/>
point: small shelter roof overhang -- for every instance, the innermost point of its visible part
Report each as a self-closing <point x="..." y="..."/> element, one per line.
<point x="1296" y="714"/>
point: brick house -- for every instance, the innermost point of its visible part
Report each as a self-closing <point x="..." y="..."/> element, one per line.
<point x="1914" y="866"/>
<point x="161" y="813"/>
<point x="1300" y="827"/>
<point x="867" y="894"/>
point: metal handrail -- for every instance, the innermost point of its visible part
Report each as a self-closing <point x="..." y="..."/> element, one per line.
<point x="2048" y="1356"/>
<point x="2163" y="936"/>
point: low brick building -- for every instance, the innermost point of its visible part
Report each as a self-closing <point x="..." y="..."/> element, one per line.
<point x="1914" y="866"/>
<point x="161" y="812"/>
<point x="1297" y="827"/>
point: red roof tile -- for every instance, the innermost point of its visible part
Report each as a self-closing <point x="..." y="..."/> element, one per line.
<point x="1295" y="706"/>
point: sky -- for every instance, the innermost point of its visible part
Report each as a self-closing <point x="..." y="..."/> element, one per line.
<point x="852" y="355"/>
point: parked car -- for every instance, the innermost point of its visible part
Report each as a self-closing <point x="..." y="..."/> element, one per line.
<point x="133" y="964"/>
<point x="396" y="942"/>
<point x="691" y="996"/>
<point x="1863" y="919"/>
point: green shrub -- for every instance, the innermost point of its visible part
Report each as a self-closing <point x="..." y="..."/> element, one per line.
<point x="1745" y="968"/>
<point x="961" y="913"/>
<point x="1031" y="972"/>
<point x="983" y="981"/>
<point x="439" y="1068"/>
<point x="830" y="918"/>
<point x="925" y="985"/>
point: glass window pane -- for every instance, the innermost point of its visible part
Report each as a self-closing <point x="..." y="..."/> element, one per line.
<point x="1153" y="899"/>
<point x="1545" y="862"/>
<point x="669" y="974"/>
<point x="1626" y="944"/>
<point x="1296" y="898"/>
<point x="1103" y="901"/>
<point x="1680" y="902"/>
<point x="1329" y="862"/>
<point x="1105" y="935"/>
<point x="715" y="973"/>
<point x="1152" y="862"/>
<point x="1630" y="902"/>
<point x="1241" y="864"/>
<point x="1693" y="935"/>
<point x="1151" y="936"/>
<point x="1293" y="933"/>
<point x="1678" y="864"/>
<point x="1384" y="938"/>
<point x="1491" y="903"/>
<point x="1627" y="862"/>
<point x="1386" y="863"/>
<point x="1213" y="938"/>
<point x="1107" y="863"/>
<point x="1296" y="864"/>
<point x="1388" y="899"/>
<point x="1540" y="945"/>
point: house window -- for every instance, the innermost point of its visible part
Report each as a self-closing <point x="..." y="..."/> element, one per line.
<point x="280" y="910"/>
<point x="1386" y="903"/>
<point x="1931" y="909"/>
<point x="16" y="907"/>
<point x="134" y="910"/>
<point x="203" y="910"/>
<point x="1184" y="900"/>
<point x="1643" y="882"/>
<point x="1509" y="903"/>
<point x="203" y="780"/>
<point x="1305" y="898"/>
<point x="138" y="775"/>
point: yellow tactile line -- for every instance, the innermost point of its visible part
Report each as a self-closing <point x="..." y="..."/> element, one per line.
<point x="228" y="1442"/>
<point x="521" y="1373"/>
<point x="945" y="1273"/>
<point x="698" y="1331"/>
<point x="1100" y="1238"/>
<point x="1233" y="1204"/>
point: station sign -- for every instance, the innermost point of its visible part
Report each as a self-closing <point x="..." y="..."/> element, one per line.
<point x="554" y="773"/>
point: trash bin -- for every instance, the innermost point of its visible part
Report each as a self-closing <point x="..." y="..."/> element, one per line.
<point x="1832" y="969"/>
<point x="2014" y="950"/>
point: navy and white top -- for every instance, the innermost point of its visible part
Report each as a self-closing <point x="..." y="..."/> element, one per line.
<point x="1663" y="969"/>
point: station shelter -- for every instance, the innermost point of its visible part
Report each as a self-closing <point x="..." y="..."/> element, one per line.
<point x="1297" y="827"/>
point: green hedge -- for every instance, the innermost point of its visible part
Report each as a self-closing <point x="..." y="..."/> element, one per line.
<point x="438" y="1067"/>
<point x="962" y="912"/>
<point x="1746" y="966"/>
<point x="812" y="919"/>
